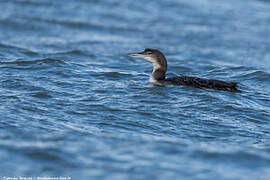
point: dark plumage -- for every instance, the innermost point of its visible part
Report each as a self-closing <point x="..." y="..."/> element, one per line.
<point x="158" y="76"/>
<point x="203" y="83"/>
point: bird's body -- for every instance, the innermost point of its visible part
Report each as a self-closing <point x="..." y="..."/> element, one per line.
<point x="203" y="83"/>
<point x="158" y="76"/>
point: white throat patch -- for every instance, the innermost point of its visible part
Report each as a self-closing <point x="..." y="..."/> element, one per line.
<point x="153" y="61"/>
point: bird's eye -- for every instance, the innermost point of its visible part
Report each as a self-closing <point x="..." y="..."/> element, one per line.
<point x="149" y="52"/>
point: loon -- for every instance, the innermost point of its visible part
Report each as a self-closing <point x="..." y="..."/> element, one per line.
<point x="158" y="76"/>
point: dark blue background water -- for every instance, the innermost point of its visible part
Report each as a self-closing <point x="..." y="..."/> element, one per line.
<point x="72" y="104"/>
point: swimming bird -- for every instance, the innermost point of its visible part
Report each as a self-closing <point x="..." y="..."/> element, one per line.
<point x="158" y="76"/>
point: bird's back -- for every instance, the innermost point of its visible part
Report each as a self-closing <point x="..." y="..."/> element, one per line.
<point x="203" y="83"/>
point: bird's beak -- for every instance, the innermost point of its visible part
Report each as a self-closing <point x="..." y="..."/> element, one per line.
<point x="136" y="55"/>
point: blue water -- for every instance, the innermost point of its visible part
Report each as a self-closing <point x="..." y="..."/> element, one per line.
<point x="72" y="104"/>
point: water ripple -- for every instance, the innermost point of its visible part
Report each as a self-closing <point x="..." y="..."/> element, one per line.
<point x="72" y="103"/>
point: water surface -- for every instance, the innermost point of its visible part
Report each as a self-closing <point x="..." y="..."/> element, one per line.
<point x="72" y="104"/>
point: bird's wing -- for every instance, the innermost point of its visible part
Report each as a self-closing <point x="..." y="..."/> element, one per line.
<point x="204" y="83"/>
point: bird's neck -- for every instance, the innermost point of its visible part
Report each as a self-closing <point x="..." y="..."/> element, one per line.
<point x="159" y="72"/>
<point x="159" y="69"/>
